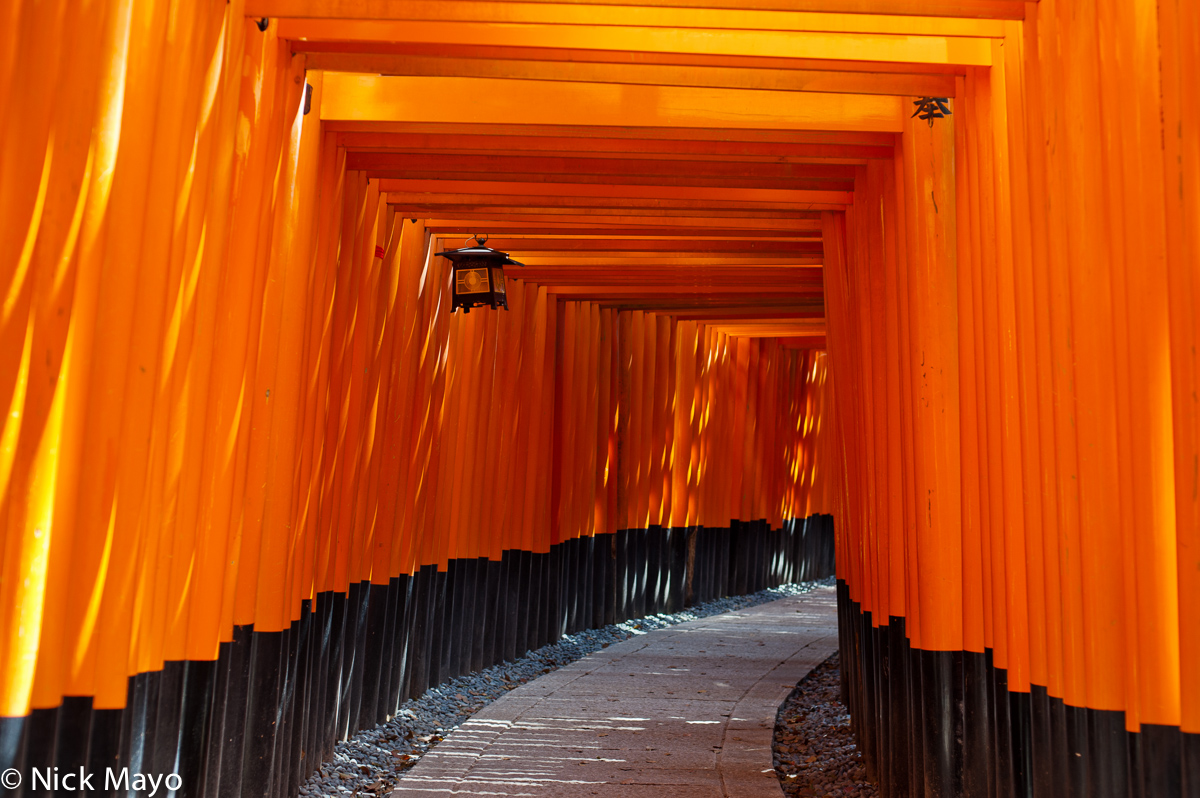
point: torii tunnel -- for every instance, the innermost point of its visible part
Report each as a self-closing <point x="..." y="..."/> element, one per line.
<point x="258" y="484"/>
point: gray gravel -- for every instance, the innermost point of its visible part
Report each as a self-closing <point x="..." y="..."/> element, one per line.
<point x="373" y="761"/>
<point x="815" y="754"/>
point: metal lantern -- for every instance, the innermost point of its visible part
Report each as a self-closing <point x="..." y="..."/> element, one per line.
<point x="478" y="276"/>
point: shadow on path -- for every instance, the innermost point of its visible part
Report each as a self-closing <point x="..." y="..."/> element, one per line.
<point x="690" y="708"/>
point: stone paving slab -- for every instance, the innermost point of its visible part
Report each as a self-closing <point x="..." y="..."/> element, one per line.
<point x="687" y="711"/>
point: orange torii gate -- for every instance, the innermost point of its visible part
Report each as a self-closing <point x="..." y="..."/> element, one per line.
<point x="760" y="299"/>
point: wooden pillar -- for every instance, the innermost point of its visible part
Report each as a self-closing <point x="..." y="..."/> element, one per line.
<point x="928" y="153"/>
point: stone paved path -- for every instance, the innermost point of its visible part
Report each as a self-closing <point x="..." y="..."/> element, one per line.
<point x="686" y="712"/>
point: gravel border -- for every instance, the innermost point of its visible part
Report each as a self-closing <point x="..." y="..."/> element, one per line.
<point x="814" y="749"/>
<point x="373" y="761"/>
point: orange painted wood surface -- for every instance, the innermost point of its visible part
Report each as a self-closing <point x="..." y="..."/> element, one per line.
<point x="231" y="380"/>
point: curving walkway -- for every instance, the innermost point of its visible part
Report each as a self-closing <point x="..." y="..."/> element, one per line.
<point x="687" y="711"/>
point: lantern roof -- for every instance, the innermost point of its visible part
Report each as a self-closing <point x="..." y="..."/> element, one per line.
<point x="501" y="258"/>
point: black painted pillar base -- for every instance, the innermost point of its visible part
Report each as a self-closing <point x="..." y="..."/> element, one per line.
<point x="260" y="718"/>
<point x="944" y="724"/>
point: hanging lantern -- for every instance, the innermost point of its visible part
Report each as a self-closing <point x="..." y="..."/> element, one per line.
<point x="478" y="276"/>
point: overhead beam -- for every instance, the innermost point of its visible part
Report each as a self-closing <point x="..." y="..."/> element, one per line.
<point x="802" y="341"/>
<point x="743" y="313"/>
<point x="366" y="98"/>
<point x="548" y="237"/>
<point x="832" y="45"/>
<point x="678" y="305"/>
<point x="819" y="155"/>
<point x="772" y="322"/>
<point x="542" y="192"/>
<point x="419" y="205"/>
<point x="782" y="310"/>
<point x="809" y="327"/>
<point x="682" y="271"/>
<point x="625" y="224"/>
<point x="599" y="245"/>
<point x="680" y="181"/>
<point x="651" y="261"/>
<point x="462" y="229"/>
<point x="571" y="207"/>
<point x="659" y="148"/>
<point x="421" y="166"/>
<point x="390" y="161"/>
<point x="816" y="325"/>
<point x="557" y="12"/>
<point x="647" y="291"/>
<point x="609" y="281"/>
<point x="612" y="138"/>
<point x="599" y="214"/>
<point x="881" y="82"/>
<point x="769" y="332"/>
<point x="494" y="52"/>
<point x="685" y="271"/>
<point x="383" y="9"/>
